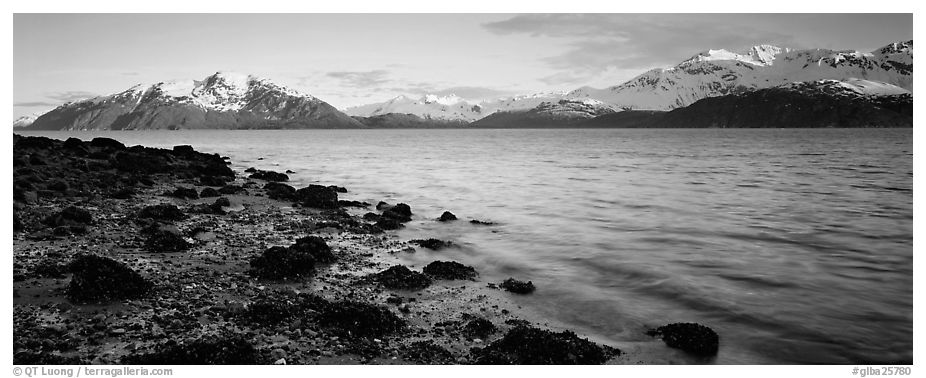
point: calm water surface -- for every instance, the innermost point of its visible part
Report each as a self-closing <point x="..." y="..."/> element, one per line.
<point x="795" y="245"/>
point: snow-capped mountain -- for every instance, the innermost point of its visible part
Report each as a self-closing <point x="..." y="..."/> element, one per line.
<point x="562" y="112"/>
<point x="221" y="100"/>
<point x="25" y="120"/>
<point x="715" y="73"/>
<point x="428" y="107"/>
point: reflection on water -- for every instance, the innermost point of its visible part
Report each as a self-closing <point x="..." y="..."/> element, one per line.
<point x="795" y="245"/>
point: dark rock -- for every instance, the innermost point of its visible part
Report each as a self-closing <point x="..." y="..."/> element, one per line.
<point x="164" y="241"/>
<point x="231" y="189"/>
<point x="58" y="186"/>
<point x="317" y="196"/>
<point x="250" y="170"/>
<point x="447" y="216"/>
<point x="208" y="192"/>
<point x="183" y="150"/>
<point x="358" y="319"/>
<point x="371" y="216"/>
<point x="518" y="287"/>
<point x="213" y="180"/>
<point x="139" y="162"/>
<point x="189" y="193"/>
<point x="449" y="270"/>
<point x="123" y="193"/>
<point x="107" y="143"/>
<point x="691" y="337"/>
<point x="434" y="244"/>
<point x="280" y="191"/>
<point x="269" y="176"/>
<point x="73" y="143"/>
<point x="37" y="142"/>
<point x="360" y="204"/>
<point x="208" y="350"/>
<point x="382" y="205"/>
<point x="534" y="346"/>
<point x="101" y="278"/>
<point x="70" y="216"/>
<point x="17" y="222"/>
<point x="50" y="269"/>
<point x="479" y="328"/>
<point x="389" y="224"/>
<point x="32" y="358"/>
<point x="277" y="263"/>
<point x="221" y="202"/>
<point x="162" y="211"/>
<point x="316" y="247"/>
<point x="37" y="160"/>
<point x="400" y="277"/>
<point x="400" y="212"/>
<point x="427" y="352"/>
<point x="274" y="307"/>
<point x="481" y="223"/>
<point x="338" y="189"/>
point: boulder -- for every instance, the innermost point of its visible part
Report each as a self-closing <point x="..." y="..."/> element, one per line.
<point x="518" y="287"/>
<point x="400" y="212"/>
<point x="209" y="350"/>
<point x="185" y="193"/>
<point x="280" y="191"/>
<point x="316" y="247"/>
<point x="277" y="263"/>
<point x="447" y="216"/>
<point x="358" y="319"/>
<point x="400" y="277"/>
<point x="107" y="143"/>
<point x="165" y="241"/>
<point x="208" y="192"/>
<point x="269" y="176"/>
<point x="479" y="328"/>
<point x="524" y="345"/>
<point x="427" y="352"/>
<point x="101" y="278"/>
<point x="317" y="196"/>
<point x="434" y="244"/>
<point x="389" y="224"/>
<point x="70" y="216"/>
<point x="690" y="337"/>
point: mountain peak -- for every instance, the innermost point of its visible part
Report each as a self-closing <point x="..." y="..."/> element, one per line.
<point x="759" y="55"/>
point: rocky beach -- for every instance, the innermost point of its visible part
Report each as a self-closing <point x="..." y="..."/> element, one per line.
<point x="136" y="255"/>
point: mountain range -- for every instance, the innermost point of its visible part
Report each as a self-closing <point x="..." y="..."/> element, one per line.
<point x="863" y="88"/>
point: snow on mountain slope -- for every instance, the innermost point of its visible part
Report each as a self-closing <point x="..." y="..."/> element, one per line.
<point x="720" y="72"/>
<point x="443" y="108"/>
<point x="221" y="100"/>
<point x="24" y="121"/>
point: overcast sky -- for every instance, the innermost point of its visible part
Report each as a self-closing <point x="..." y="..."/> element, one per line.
<point x="354" y="59"/>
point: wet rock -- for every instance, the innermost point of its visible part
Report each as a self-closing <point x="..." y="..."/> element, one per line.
<point x="107" y="143"/>
<point x="358" y="319"/>
<point x="164" y="241"/>
<point x="447" y="216"/>
<point x="188" y="193"/>
<point x="449" y="270"/>
<point x="434" y="244"/>
<point x="360" y="204"/>
<point x="183" y="150"/>
<point x="139" y="162"/>
<point x="281" y="306"/>
<point x="73" y="143"/>
<point x="316" y="247"/>
<point x="479" y="328"/>
<point x="208" y="350"/>
<point x="277" y="263"/>
<point x="269" y="176"/>
<point x="690" y="337"/>
<point x="213" y="180"/>
<point x="389" y="224"/>
<point x="280" y="191"/>
<point x="400" y="277"/>
<point x="533" y="346"/>
<point x="208" y="192"/>
<point x="37" y="142"/>
<point x="231" y="189"/>
<point x="337" y="189"/>
<point x="250" y="170"/>
<point x="427" y="352"/>
<point x="481" y="223"/>
<point x="400" y="212"/>
<point x="162" y="211"/>
<point x="70" y="216"/>
<point x="317" y="196"/>
<point x="517" y="287"/>
<point x="381" y="205"/>
<point x="371" y="216"/>
<point x="101" y="278"/>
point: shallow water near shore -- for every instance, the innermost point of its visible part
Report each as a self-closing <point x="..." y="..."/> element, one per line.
<point x="795" y="245"/>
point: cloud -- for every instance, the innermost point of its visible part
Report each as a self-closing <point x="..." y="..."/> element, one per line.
<point x="33" y="104"/>
<point x="68" y="96"/>
<point x="361" y="79"/>
<point x="597" y="42"/>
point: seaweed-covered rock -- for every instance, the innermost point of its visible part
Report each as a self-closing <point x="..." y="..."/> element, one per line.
<point x="479" y="328"/>
<point x="449" y="270"/>
<point x="447" y="217"/>
<point x="317" y="196"/>
<point x="269" y="176"/>
<point x="388" y="224"/>
<point x="280" y="191"/>
<point x="101" y="278"/>
<point x="691" y="337"/>
<point x="400" y="277"/>
<point x="359" y="319"/>
<point x="189" y="193"/>
<point x="434" y="244"/>
<point x="427" y="352"/>
<point x="352" y="203"/>
<point x="278" y="263"/>
<point x="165" y="241"/>
<point x="533" y="346"/>
<point x="339" y="189"/>
<point x="70" y="216"/>
<point x="400" y="212"/>
<point x="50" y="269"/>
<point x="208" y="192"/>
<point x="164" y="211"/>
<point x="231" y="189"/>
<point x="278" y="306"/>
<point x="316" y="247"/>
<point x="518" y="287"/>
<point x="208" y="350"/>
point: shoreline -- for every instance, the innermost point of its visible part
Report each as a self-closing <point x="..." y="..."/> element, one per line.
<point x="208" y="286"/>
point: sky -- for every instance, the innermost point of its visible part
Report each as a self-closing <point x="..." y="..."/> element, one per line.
<point x="354" y="59"/>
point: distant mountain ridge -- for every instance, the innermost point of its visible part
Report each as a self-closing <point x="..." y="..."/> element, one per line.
<point x="221" y="100"/>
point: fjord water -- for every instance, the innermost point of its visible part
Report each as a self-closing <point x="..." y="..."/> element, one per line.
<point x="795" y="245"/>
